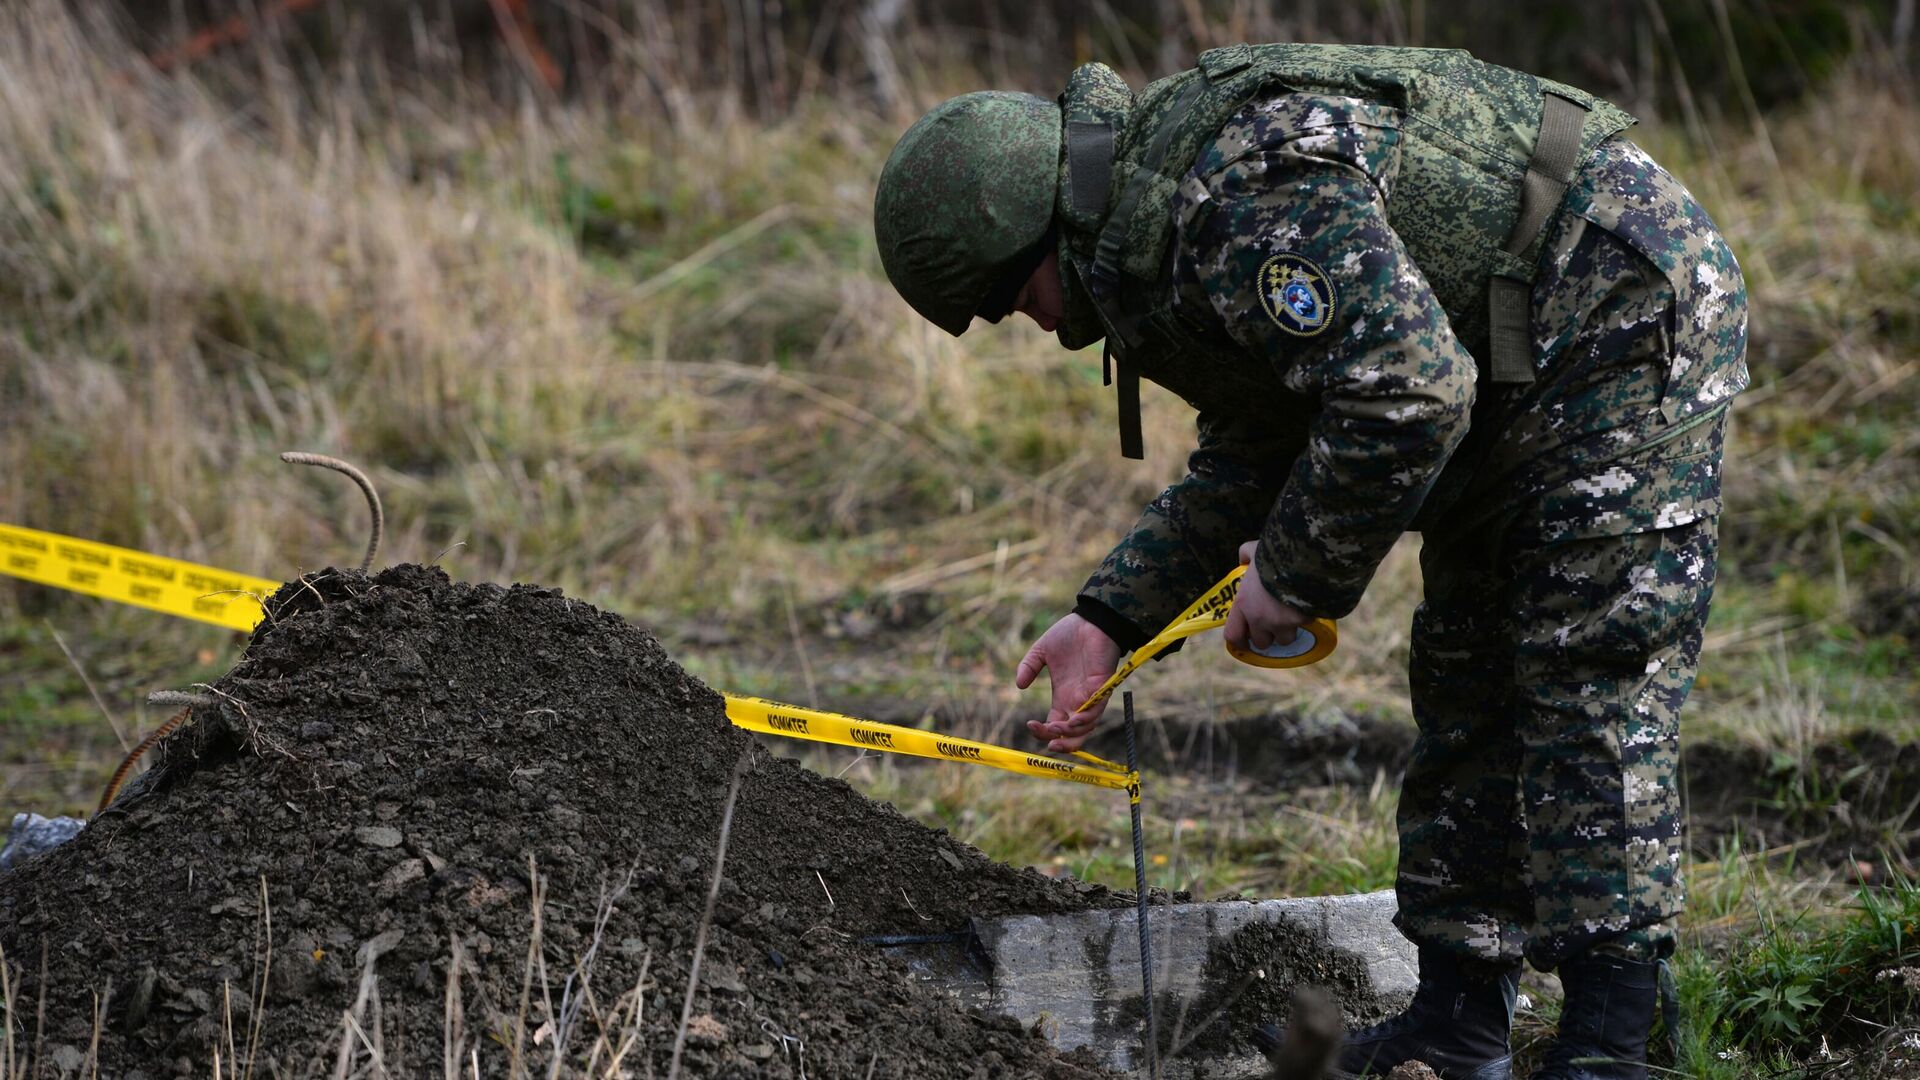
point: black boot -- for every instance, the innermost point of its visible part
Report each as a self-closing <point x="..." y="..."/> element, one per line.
<point x="1605" y="1021"/>
<point x="1457" y="1023"/>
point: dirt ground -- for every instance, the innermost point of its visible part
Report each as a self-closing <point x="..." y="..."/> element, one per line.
<point x="1845" y="801"/>
<point x="407" y="770"/>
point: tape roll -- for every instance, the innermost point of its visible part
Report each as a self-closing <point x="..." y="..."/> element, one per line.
<point x="1311" y="644"/>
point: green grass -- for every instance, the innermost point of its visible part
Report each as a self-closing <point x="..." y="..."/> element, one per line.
<point x="1210" y="837"/>
<point x="1805" y="990"/>
<point x="59" y="745"/>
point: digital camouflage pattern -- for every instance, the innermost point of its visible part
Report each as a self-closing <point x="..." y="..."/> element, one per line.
<point x="1569" y="523"/>
<point x="1308" y="268"/>
<point x="1466" y="131"/>
<point x="1382" y="398"/>
<point x="1393" y="385"/>
<point x="1540" y="813"/>
<point x="1560" y="632"/>
<point x="966" y="191"/>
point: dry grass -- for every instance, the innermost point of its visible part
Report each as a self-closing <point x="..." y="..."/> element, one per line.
<point x="651" y="358"/>
<point x="656" y="363"/>
<point x="658" y="367"/>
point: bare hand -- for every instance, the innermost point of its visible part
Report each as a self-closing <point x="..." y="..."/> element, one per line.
<point x="1078" y="657"/>
<point x="1257" y="620"/>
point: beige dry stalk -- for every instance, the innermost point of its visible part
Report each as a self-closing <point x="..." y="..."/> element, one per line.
<point x="9" y="1068"/>
<point x="536" y="899"/>
<point x="706" y="916"/>
<point x="538" y="890"/>
<point x="112" y="721"/>
<point x="576" y="994"/>
<point x="453" y="1016"/>
<point x="629" y="1031"/>
<point x="100" y="999"/>
<point x="226" y="1033"/>
<point x="265" y="943"/>
<point x="352" y="1031"/>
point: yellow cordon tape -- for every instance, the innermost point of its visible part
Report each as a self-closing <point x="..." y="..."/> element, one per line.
<point x="1313" y="642"/>
<point x="225" y="598"/>
<point x="775" y="718"/>
<point x="189" y="590"/>
<point x="229" y="599"/>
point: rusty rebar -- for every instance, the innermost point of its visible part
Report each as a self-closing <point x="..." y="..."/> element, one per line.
<point x="297" y="457"/>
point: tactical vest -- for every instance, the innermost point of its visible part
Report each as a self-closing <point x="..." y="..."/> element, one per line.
<point x="1486" y="154"/>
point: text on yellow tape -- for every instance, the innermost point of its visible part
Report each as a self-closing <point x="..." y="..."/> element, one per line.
<point x="775" y="718"/>
<point x="225" y="598"/>
<point x="189" y="590"/>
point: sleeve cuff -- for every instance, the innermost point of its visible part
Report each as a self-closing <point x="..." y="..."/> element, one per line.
<point x="1111" y="623"/>
<point x="1298" y="592"/>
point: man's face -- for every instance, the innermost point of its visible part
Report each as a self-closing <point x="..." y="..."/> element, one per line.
<point x="1041" y="297"/>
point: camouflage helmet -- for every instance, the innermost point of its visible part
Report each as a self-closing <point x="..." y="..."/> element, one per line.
<point x="964" y="198"/>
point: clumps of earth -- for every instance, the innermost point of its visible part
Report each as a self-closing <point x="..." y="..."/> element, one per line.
<point x="463" y="827"/>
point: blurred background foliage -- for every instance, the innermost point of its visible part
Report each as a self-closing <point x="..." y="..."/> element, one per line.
<point x="1720" y="57"/>
<point x="589" y="285"/>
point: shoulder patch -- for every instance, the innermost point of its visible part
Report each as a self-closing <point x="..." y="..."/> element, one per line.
<point x="1296" y="294"/>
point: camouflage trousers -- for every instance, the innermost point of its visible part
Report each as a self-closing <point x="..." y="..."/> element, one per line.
<point x="1541" y="814"/>
<point x="1566" y="592"/>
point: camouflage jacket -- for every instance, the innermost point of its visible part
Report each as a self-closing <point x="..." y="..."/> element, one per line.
<point x="1319" y="320"/>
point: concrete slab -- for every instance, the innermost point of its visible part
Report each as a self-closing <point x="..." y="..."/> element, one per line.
<point x="1219" y="970"/>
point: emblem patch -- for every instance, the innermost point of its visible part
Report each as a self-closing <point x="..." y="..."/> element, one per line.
<point x="1296" y="294"/>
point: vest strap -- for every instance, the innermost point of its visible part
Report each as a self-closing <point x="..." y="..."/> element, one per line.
<point x="1089" y="165"/>
<point x="1556" y="153"/>
<point x="1113" y="237"/>
<point x="1105" y="272"/>
<point x="1549" y="172"/>
<point x="1509" y="337"/>
<point x="1131" y="444"/>
<point x="1089" y="176"/>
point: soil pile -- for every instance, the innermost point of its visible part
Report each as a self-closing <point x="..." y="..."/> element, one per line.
<point x="430" y="776"/>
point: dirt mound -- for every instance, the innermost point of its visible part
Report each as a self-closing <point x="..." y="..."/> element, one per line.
<point x="414" y="768"/>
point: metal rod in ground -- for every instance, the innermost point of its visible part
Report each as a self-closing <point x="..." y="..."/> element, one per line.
<point x="1140" y="899"/>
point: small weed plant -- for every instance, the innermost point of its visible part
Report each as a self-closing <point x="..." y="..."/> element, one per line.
<point x="1804" y="992"/>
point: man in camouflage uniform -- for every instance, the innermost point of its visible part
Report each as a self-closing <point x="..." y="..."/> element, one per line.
<point x="1404" y="290"/>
